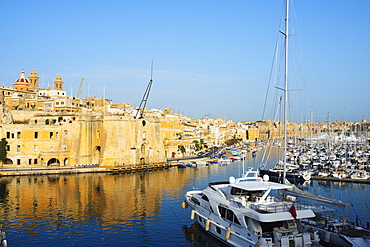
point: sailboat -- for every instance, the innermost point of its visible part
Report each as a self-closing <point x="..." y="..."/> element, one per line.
<point x="333" y="231"/>
<point x="252" y="211"/>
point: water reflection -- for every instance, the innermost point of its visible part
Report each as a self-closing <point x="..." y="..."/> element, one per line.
<point x="134" y="209"/>
<point x="84" y="205"/>
<point x="85" y="196"/>
<point x="198" y="237"/>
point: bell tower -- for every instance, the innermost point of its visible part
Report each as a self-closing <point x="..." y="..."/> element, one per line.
<point x="33" y="80"/>
<point x="58" y="83"/>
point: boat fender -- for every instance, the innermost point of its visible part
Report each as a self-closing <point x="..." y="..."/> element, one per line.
<point x="4" y="243"/>
<point x="192" y="214"/>
<point x="208" y="223"/>
<point x="227" y="235"/>
<point x="184" y="204"/>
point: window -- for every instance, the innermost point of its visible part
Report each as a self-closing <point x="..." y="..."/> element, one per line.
<point x="18" y="148"/>
<point x="18" y="135"/>
<point x="144" y="136"/>
<point x="36" y="148"/>
<point x="195" y="200"/>
<point x="8" y="135"/>
<point x="238" y="191"/>
<point x="36" y="135"/>
<point x="18" y="161"/>
<point x="51" y="135"/>
<point x="51" y="148"/>
<point x="200" y="219"/>
<point x="204" y="197"/>
<point x="228" y="214"/>
<point x="35" y="161"/>
<point x="13" y="135"/>
<point x="7" y="147"/>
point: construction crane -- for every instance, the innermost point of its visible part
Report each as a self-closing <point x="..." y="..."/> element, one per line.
<point x="80" y="88"/>
<point x="140" y="110"/>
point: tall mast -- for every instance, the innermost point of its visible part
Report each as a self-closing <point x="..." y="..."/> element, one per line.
<point x="311" y="128"/>
<point x="345" y="126"/>
<point x="286" y="85"/>
<point x="329" y="130"/>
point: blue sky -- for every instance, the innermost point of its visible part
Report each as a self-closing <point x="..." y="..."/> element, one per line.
<point x="211" y="58"/>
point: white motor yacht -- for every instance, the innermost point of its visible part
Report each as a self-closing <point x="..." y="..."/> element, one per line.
<point x="247" y="212"/>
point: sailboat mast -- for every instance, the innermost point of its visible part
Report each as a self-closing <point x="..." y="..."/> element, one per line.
<point x="286" y="85"/>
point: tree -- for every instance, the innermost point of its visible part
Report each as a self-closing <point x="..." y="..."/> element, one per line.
<point x="232" y="141"/>
<point x="197" y="145"/>
<point x="182" y="149"/>
<point x="3" y="144"/>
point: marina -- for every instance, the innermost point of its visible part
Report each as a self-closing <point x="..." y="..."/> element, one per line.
<point x="81" y="171"/>
<point x="250" y="210"/>
<point x="130" y="209"/>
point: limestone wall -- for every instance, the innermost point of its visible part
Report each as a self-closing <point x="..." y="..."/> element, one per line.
<point x="104" y="140"/>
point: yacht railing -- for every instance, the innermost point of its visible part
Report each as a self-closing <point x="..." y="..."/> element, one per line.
<point x="276" y="207"/>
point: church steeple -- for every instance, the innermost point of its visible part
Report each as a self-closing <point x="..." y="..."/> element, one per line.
<point x="33" y="80"/>
<point x="58" y="83"/>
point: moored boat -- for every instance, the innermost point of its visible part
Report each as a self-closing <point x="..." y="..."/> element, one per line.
<point x="332" y="230"/>
<point x="360" y="174"/>
<point x="294" y="177"/>
<point x="247" y="211"/>
<point x="3" y="241"/>
<point x="336" y="232"/>
<point x="181" y="165"/>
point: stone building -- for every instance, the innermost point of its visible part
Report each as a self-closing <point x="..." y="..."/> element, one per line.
<point x="45" y="127"/>
<point x="83" y="139"/>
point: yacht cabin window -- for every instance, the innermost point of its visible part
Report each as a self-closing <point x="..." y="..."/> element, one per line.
<point x="228" y="214"/>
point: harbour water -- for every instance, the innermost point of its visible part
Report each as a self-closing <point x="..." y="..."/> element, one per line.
<point x="132" y="209"/>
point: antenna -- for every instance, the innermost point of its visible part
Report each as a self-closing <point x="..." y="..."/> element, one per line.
<point x="140" y="111"/>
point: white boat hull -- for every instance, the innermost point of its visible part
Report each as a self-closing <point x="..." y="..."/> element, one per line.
<point x="239" y="213"/>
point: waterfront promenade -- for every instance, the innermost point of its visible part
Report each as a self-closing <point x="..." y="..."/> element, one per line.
<point x="42" y="170"/>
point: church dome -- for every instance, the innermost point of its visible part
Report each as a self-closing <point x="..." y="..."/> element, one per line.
<point x="22" y="83"/>
<point x="22" y="79"/>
